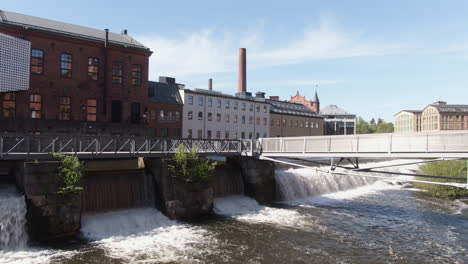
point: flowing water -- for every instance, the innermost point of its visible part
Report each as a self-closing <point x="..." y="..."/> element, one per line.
<point x="322" y="218"/>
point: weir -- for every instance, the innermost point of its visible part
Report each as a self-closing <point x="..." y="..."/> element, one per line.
<point x="13" y="233"/>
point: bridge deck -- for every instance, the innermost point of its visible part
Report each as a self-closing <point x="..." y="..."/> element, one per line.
<point x="446" y="144"/>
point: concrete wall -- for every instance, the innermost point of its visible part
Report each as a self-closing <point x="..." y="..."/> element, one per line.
<point x="290" y="126"/>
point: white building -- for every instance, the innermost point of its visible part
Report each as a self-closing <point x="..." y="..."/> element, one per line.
<point x="210" y="114"/>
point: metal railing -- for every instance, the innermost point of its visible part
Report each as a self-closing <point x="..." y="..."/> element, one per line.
<point x="40" y="146"/>
<point x="431" y="144"/>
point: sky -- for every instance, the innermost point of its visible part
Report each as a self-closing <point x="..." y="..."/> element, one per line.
<point x="371" y="58"/>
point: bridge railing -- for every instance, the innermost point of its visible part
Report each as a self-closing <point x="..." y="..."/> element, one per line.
<point x="32" y="146"/>
<point x="431" y="142"/>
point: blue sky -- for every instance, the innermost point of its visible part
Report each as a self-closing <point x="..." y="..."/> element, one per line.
<point x="372" y="58"/>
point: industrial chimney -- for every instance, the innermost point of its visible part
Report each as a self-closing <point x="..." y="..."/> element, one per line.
<point x="210" y="84"/>
<point x="242" y="84"/>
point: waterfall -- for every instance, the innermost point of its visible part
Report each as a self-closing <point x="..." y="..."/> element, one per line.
<point x="12" y="219"/>
<point x="227" y="180"/>
<point x="295" y="184"/>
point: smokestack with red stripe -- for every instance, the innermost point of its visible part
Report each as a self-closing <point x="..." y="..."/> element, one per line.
<point x="242" y="84"/>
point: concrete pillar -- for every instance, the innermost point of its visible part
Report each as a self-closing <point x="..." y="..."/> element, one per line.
<point x="242" y="84"/>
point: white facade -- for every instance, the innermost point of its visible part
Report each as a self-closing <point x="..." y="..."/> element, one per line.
<point x="15" y="56"/>
<point x="208" y="114"/>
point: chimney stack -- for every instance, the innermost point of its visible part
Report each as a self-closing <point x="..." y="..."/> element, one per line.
<point x="210" y="84"/>
<point x="242" y="84"/>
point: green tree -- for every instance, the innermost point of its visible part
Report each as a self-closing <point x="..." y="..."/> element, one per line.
<point x="385" y="127"/>
<point x="363" y="127"/>
<point x="190" y="167"/>
<point x="71" y="172"/>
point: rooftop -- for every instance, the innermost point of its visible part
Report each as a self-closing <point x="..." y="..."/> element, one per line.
<point x="220" y="94"/>
<point x="334" y="110"/>
<point x="164" y="93"/>
<point x="451" y="108"/>
<point x="70" y="30"/>
<point x="288" y="108"/>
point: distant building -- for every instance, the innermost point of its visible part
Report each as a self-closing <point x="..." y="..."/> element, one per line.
<point x="408" y="121"/>
<point x="338" y="121"/>
<point x="79" y="80"/>
<point x="293" y="120"/>
<point x="442" y="116"/>
<point x="212" y="114"/>
<point x="165" y="108"/>
<point x="313" y="105"/>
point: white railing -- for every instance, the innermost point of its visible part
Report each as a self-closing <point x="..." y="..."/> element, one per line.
<point x="410" y="143"/>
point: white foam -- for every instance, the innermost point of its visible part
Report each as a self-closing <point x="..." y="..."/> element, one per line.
<point x="246" y="209"/>
<point x="146" y="235"/>
<point x="34" y="256"/>
<point x="13" y="234"/>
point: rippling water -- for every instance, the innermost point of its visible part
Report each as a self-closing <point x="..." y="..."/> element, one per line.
<point x="376" y="223"/>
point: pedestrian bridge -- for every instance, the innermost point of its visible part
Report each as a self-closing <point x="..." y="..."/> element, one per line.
<point x="446" y="144"/>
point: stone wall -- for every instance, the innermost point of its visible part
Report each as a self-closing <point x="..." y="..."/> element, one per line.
<point x="50" y="215"/>
<point x="259" y="178"/>
<point x="177" y="199"/>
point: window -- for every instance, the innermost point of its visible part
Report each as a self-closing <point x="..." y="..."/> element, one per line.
<point x="65" y="109"/>
<point x="200" y="100"/>
<point x="236" y="105"/>
<point x="210" y="117"/>
<point x="235" y="119"/>
<point x="190" y="115"/>
<point x="251" y="107"/>
<point x="251" y="120"/>
<point x="316" y="125"/>
<point x="177" y="115"/>
<point x="218" y="134"/>
<point x="243" y="119"/>
<point x="9" y="105"/>
<point x="265" y="121"/>
<point x="226" y="134"/>
<point x="190" y="99"/>
<point x="35" y="106"/>
<point x="234" y="135"/>
<point x="161" y="115"/>
<point x="257" y="135"/>
<point x="152" y="114"/>
<point x="210" y="102"/>
<point x="200" y="116"/>
<point x="258" y="108"/>
<point x="136" y="75"/>
<point x="91" y="106"/>
<point x="218" y="117"/>
<point x="66" y="65"/>
<point x="135" y="114"/>
<point x="226" y="117"/>
<point x="189" y="133"/>
<point x="37" y="61"/>
<point x="284" y="122"/>
<point x="264" y="109"/>
<point x="278" y="122"/>
<point x="243" y="106"/>
<point x="218" y="103"/>
<point x="307" y="124"/>
<point x="117" y="72"/>
<point x="93" y="68"/>
<point x="164" y="132"/>
<point x="302" y="123"/>
<point x="200" y="133"/>
<point x="228" y="104"/>
<point x="257" y="120"/>
<point x="290" y="123"/>
<point x="250" y="135"/>
<point x="243" y="135"/>
<point x="208" y="134"/>
<point x="295" y="123"/>
<point x="272" y="122"/>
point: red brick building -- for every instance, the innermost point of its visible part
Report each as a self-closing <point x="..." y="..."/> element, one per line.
<point x="313" y="105"/>
<point x="82" y="80"/>
<point x="165" y="108"/>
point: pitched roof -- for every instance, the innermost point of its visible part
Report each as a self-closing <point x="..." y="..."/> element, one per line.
<point x="16" y="19"/>
<point x="164" y="93"/>
<point x="451" y="108"/>
<point x="410" y="111"/>
<point x="288" y="108"/>
<point x="334" y="110"/>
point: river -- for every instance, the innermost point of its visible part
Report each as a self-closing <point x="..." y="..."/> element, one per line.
<point x="321" y="219"/>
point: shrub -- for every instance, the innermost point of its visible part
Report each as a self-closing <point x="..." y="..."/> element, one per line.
<point x="452" y="168"/>
<point x="190" y="167"/>
<point x="71" y="172"/>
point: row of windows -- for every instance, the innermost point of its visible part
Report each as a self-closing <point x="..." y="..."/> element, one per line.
<point x="35" y="107"/>
<point x="296" y="123"/>
<point x="227" y="118"/>
<point x="165" y="115"/>
<point x="227" y="135"/>
<point x="66" y="68"/>
<point x="227" y="104"/>
<point x="453" y="118"/>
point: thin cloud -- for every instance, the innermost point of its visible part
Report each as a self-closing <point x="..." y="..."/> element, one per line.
<point x="211" y="51"/>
